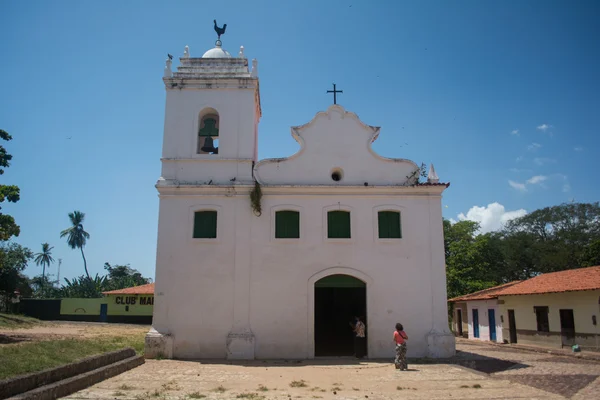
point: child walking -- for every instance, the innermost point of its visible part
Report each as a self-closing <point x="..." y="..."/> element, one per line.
<point x="400" y="338"/>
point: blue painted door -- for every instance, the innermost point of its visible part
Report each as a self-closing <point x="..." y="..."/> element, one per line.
<point x="492" y="319"/>
<point x="476" y="323"/>
<point x="103" y="312"/>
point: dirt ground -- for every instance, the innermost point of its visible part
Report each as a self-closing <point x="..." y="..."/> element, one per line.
<point x="68" y="329"/>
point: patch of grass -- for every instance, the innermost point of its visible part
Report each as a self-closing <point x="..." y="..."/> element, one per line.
<point x="477" y="386"/>
<point x="220" y="389"/>
<point x="464" y="386"/>
<point x="15" y="321"/>
<point x="253" y="396"/>
<point x="405" y="388"/>
<point x="170" y="386"/>
<point x="36" y="356"/>
<point x="263" y="388"/>
<point x="118" y="394"/>
<point x="317" y="389"/>
<point x="300" y="383"/>
<point x="196" y="395"/>
<point x="355" y="389"/>
<point x="125" y="387"/>
<point x="156" y="393"/>
<point x="336" y="388"/>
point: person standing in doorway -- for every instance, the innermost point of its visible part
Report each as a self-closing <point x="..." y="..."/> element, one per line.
<point x="359" y="337"/>
<point x="400" y="338"/>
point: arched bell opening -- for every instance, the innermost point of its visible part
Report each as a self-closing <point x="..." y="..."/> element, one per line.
<point x="338" y="299"/>
<point x="208" y="132"/>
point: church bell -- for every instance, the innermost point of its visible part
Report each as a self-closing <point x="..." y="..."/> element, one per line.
<point x="209" y="147"/>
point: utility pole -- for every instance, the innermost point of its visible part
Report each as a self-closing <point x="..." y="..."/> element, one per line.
<point x="58" y="274"/>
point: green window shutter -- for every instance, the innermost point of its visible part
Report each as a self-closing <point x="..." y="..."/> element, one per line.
<point x="389" y="225"/>
<point x="287" y="225"/>
<point x="205" y="225"/>
<point x="338" y="225"/>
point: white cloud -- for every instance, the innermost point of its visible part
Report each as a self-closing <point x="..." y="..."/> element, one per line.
<point x="515" y="132"/>
<point x="536" y="179"/>
<point x="578" y="148"/>
<point x="519" y="159"/>
<point x="543" y="161"/>
<point x="534" y="146"/>
<point x="544" y="127"/>
<point x="517" y="185"/>
<point x="492" y="217"/>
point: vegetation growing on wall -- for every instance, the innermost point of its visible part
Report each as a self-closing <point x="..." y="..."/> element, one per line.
<point x="255" y="199"/>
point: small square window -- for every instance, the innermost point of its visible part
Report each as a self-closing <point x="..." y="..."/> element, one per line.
<point x="389" y="225"/>
<point x="287" y="224"/>
<point x="205" y="225"/>
<point x="338" y="225"/>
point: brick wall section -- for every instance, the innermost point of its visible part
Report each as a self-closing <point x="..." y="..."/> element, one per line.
<point x="71" y="385"/>
<point x="20" y="384"/>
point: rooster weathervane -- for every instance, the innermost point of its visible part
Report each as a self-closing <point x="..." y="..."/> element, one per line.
<point x="220" y="31"/>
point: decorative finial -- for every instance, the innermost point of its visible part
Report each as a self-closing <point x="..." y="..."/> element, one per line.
<point x="241" y="53"/>
<point x="168" y="73"/>
<point x="186" y="52"/>
<point x="432" y="176"/>
<point x="220" y="31"/>
<point x="254" y="73"/>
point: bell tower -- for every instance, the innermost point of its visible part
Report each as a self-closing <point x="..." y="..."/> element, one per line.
<point x="211" y="118"/>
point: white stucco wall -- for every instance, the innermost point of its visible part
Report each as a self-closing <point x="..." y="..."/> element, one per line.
<point x="246" y="294"/>
<point x="483" y="307"/>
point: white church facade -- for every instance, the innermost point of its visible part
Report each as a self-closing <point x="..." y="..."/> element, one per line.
<point x="272" y="259"/>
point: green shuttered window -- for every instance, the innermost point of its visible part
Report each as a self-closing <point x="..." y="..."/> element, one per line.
<point x="389" y="225"/>
<point x="287" y="225"/>
<point x="205" y="225"/>
<point x="338" y="225"/>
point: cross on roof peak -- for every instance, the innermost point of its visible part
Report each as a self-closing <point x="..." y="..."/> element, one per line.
<point x="335" y="92"/>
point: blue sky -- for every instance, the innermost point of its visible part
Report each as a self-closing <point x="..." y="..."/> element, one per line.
<point x="502" y="97"/>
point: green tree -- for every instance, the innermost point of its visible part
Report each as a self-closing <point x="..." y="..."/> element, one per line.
<point x="590" y="256"/>
<point x="44" y="259"/>
<point x="13" y="260"/>
<point x="85" y="287"/>
<point x="472" y="260"/>
<point x="76" y="236"/>
<point x="123" y="276"/>
<point x="11" y="193"/>
<point x="552" y="238"/>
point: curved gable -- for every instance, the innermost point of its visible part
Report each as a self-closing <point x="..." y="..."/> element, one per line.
<point x="335" y="140"/>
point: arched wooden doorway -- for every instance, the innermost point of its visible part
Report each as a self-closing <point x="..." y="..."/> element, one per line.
<point x="337" y="300"/>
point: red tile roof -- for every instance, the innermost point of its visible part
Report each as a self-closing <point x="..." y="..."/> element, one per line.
<point x="142" y="289"/>
<point x="485" y="294"/>
<point x="556" y="282"/>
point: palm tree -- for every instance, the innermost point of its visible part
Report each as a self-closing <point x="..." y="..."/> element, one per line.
<point x="44" y="259"/>
<point x="76" y="236"/>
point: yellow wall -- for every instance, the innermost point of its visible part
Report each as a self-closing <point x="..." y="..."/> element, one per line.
<point x="117" y="304"/>
<point x="583" y="303"/>
<point x="76" y="306"/>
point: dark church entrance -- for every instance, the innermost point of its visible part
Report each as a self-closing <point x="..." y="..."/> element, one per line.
<point x="338" y="299"/>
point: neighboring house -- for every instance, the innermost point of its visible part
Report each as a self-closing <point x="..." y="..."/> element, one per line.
<point x="556" y="309"/>
<point x="477" y="315"/>
<point x="273" y="258"/>
<point x="129" y="305"/>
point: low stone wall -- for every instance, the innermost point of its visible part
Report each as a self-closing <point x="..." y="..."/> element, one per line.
<point x="80" y="382"/>
<point x="20" y="384"/>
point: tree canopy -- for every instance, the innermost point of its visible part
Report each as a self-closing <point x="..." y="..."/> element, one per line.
<point x="10" y="193"/>
<point x="556" y="238"/>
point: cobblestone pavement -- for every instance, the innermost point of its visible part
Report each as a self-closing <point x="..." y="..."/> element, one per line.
<point x="567" y="376"/>
<point x="479" y="371"/>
